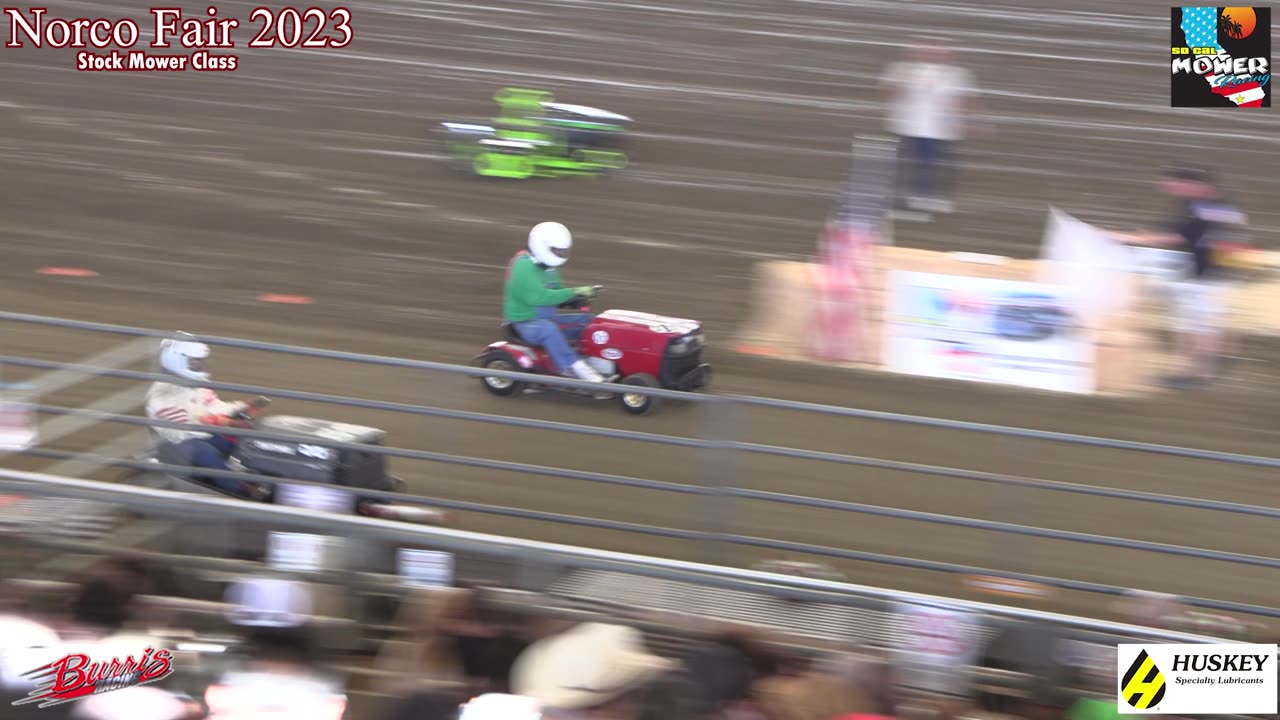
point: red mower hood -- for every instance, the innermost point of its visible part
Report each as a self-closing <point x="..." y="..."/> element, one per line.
<point x="660" y="324"/>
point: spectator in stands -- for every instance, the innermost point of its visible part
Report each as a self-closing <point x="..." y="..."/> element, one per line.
<point x="722" y="671"/>
<point x="929" y="98"/>
<point x="424" y="705"/>
<point x="811" y="696"/>
<point x="487" y="640"/>
<point x="136" y="703"/>
<point x="425" y="657"/>
<point x="101" y="608"/>
<point x="593" y="671"/>
<point x="870" y="672"/>
<point x="281" y="672"/>
<point x="459" y="640"/>
<point x="25" y="644"/>
<point x="1028" y="648"/>
<point x="1201" y="298"/>
<point x="97" y="623"/>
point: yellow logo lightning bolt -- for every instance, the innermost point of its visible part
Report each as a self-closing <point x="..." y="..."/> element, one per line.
<point x="1142" y="685"/>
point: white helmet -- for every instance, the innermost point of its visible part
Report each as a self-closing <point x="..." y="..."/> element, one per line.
<point x="549" y="242"/>
<point x="184" y="356"/>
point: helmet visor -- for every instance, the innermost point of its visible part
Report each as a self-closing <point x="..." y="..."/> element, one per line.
<point x="562" y="253"/>
<point x="197" y="365"/>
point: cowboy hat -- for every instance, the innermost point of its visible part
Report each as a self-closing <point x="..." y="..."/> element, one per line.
<point x="586" y="667"/>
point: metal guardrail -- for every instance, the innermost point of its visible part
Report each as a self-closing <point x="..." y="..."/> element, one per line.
<point x="428" y="411"/>
<point x="983" y="428"/>
<point x="729" y="492"/>
<point x="182" y="505"/>
<point x="716" y="487"/>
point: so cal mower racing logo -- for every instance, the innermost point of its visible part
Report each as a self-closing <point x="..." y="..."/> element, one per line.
<point x="76" y="676"/>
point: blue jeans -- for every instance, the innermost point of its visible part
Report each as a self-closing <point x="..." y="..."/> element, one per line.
<point x="924" y="161"/>
<point x="210" y="452"/>
<point x="554" y="332"/>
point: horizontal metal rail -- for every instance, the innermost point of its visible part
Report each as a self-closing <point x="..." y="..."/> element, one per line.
<point x="398" y="498"/>
<point x="381" y="360"/>
<point x="730" y="445"/>
<point x="692" y="535"/>
<point x="404" y="453"/>
<point x="756" y="448"/>
<point x="763" y="496"/>
<point x="185" y="505"/>
<point x="1153" y="448"/>
<point x="422" y="410"/>
<point x="1024" y="433"/>
<point x="656" y="531"/>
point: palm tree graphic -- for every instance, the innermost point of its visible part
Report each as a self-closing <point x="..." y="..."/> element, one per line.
<point x="1229" y="27"/>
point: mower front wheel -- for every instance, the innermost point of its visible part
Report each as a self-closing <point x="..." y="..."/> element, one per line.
<point x="637" y="403"/>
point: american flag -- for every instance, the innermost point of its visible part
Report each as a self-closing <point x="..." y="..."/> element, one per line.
<point x="172" y="414"/>
<point x="845" y="250"/>
<point x="1200" y="25"/>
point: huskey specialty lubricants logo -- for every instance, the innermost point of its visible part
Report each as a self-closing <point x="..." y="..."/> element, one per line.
<point x="178" y="42"/>
<point x="1196" y="679"/>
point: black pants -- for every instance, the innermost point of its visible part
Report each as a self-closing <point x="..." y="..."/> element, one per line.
<point x="925" y="169"/>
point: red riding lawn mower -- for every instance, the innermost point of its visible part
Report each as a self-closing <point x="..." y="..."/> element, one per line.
<point x="626" y="347"/>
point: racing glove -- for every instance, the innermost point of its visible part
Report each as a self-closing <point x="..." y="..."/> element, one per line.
<point x="586" y="291"/>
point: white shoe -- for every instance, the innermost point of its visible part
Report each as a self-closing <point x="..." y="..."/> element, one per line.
<point x="583" y="371"/>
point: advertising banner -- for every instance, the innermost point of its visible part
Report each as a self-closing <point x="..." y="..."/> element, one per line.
<point x="987" y="330"/>
<point x="941" y="643"/>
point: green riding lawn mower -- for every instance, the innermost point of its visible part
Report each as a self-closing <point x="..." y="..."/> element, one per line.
<point x="535" y="136"/>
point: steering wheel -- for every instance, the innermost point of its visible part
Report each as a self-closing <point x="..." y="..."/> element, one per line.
<point x="250" y="411"/>
<point x="579" y="302"/>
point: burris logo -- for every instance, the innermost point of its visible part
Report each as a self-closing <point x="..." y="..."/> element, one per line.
<point x="107" y="44"/>
<point x="1221" y="57"/>
<point x="76" y="676"/>
<point x="1143" y="685"/>
<point x="1196" y="679"/>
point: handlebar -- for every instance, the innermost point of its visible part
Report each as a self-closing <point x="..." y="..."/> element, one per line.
<point x="580" y="301"/>
<point x="252" y="409"/>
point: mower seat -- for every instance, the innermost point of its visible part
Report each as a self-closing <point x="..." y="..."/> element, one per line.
<point x="510" y="335"/>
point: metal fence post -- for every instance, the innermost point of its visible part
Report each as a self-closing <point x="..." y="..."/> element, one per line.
<point x="721" y="417"/>
<point x="1012" y="505"/>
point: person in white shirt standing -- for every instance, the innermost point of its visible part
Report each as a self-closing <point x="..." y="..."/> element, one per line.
<point x="187" y="359"/>
<point x="930" y="97"/>
<point x="281" y="676"/>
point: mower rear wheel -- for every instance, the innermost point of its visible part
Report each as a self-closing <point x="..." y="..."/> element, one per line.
<point x="502" y="387"/>
<point x="637" y="403"/>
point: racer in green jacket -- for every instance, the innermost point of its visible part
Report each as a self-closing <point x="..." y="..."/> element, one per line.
<point x="533" y="292"/>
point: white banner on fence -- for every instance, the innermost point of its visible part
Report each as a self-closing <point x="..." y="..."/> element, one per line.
<point x="305" y="552"/>
<point x="1093" y="270"/>
<point x="939" y="644"/>
<point x="425" y="568"/>
<point x="17" y="426"/>
<point x="1160" y="264"/>
<point x="987" y="330"/>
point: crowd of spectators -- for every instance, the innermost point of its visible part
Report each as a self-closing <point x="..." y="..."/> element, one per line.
<point x="460" y="654"/>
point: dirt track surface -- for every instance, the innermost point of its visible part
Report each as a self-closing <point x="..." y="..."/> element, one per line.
<point x="314" y="173"/>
